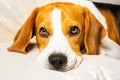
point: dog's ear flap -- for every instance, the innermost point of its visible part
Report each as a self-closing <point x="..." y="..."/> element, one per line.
<point x="94" y="33"/>
<point x="23" y="36"/>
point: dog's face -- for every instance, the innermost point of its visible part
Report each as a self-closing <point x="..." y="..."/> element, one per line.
<point x="62" y="31"/>
<point x="59" y="35"/>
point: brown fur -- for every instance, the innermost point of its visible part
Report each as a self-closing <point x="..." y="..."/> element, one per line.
<point x="94" y="34"/>
<point x="24" y="35"/>
<point x="91" y="31"/>
<point x="112" y="26"/>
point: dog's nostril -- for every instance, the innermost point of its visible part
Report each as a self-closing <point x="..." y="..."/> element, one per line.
<point x="57" y="61"/>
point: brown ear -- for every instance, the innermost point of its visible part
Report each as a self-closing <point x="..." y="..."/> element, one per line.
<point x="94" y="33"/>
<point x="24" y="35"/>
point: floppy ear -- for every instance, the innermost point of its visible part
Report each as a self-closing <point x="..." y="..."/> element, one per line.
<point x="24" y="35"/>
<point x="94" y="33"/>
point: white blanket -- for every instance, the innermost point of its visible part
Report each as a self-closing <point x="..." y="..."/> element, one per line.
<point x="16" y="66"/>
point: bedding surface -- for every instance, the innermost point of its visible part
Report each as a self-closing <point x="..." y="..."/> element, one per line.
<point x="16" y="66"/>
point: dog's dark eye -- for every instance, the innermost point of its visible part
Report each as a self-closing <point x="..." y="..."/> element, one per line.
<point x="74" y="31"/>
<point x="43" y="32"/>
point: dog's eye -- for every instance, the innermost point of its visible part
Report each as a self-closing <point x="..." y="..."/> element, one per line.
<point x="43" y="32"/>
<point x="74" y="31"/>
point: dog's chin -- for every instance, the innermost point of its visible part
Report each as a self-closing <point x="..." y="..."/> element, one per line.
<point x="70" y="66"/>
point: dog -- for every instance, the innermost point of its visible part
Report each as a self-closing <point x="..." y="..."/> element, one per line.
<point x="64" y="31"/>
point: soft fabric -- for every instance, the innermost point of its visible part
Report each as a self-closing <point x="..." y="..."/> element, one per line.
<point x="16" y="66"/>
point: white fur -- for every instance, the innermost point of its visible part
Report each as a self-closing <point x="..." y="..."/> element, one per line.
<point x="110" y="48"/>
<point x="58" y="44"/>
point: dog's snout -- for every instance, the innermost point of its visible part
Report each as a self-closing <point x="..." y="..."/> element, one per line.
<point x="58" y="61"/>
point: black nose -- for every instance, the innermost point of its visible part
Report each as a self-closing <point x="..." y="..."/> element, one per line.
<point x="57" y="61"/>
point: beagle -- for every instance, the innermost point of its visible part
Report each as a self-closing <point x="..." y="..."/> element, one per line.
<point x="63" y="30"/>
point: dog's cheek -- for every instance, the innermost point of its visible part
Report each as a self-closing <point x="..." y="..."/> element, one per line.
<point x="76" y="43"/>
<point x="41" y="42"/>
<point x="76" y="48"/>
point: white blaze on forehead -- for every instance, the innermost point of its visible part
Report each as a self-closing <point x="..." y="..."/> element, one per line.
<point x="56" y="19"/>
<point x="58" y="40"/>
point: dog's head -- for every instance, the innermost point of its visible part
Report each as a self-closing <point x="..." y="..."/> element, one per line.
<point x="62" y="31"/>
